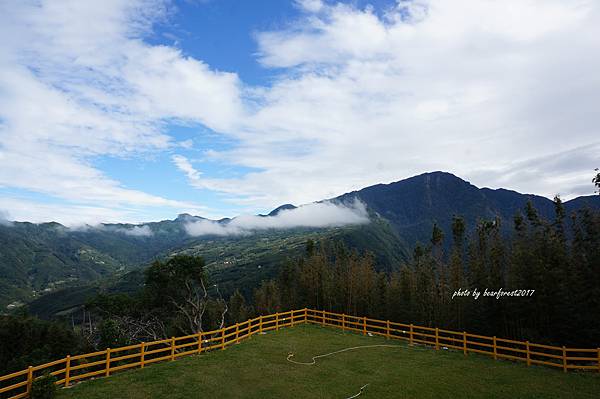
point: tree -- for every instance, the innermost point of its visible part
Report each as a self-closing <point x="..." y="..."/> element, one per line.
<point x="531" y="213"/>
<point x="238" y="310"/>
<point x="441" y="309"/>
<point x="596" y="181"/>
<point x="267" y="298"/>
<point x="124" y="318"/>
<point x="182" y="282"/>
<point x="111" y="334"/>
<point x="559" y="211"/>
<point x="457" y="278"/>
<point x="437" y="235"/>
<point x="289" y="284"/>
<point x="26" y="340"/>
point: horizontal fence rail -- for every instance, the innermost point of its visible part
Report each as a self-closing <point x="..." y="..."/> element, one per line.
<point x="498" y="348"/>
<point x="73" y="369"/>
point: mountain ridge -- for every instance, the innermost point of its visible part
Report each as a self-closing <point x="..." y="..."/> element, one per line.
<point x="412" y="205"/>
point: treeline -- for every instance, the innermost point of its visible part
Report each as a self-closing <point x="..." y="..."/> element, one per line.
<point x="27" y="341"/>
<point x="558" y="259"/>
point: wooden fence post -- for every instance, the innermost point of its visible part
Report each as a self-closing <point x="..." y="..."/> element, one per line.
<point x="29" y="380"/>
<point x="599" y="360"/>
<point x="387" y="329"/>
<point x="68" y="371"/>
<point x="343" y="322"/>
<point x="364" y="326"/>
<point x="437" y="339"/>
<point x="564" y="358"/>
<point x="107" y="372"/>
<point x="172" y="348"/>
<point x="410" y="335"/>
<point x="143" y="355"/>
<point x="223" y="338"/>
<point x="260" y="324"/>
<point x="323" y="317"/>
<point x="305" y="315"/>
<point x="237" y="333"/>
<point x="276" y="321"/>
<point x="495" y="349"/>
<point x="199" y="342"/>
<point x="528" y="354"/>
<point x="465" y="343"/>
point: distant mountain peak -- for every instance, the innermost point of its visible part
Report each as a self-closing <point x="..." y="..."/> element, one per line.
<point x="283" y="207"/>
<point x="186" y="217"/>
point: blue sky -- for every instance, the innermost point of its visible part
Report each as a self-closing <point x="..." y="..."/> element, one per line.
<point x="220" y="108"/>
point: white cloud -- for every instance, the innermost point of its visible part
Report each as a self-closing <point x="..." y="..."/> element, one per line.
<point x="561" y="169"/>
<point x="315" y="215"/>
<point x="76" y="216"/>
<point x="186" y="166"/>
<point x="71" y="90"/>
<point x="4" y="218"/>
<point x="210" y="227"/>
<point x="310" y="5"/>
<point x="66" y="214"/>
<point x="135" y="231"/>
<point x="366" y="97"/>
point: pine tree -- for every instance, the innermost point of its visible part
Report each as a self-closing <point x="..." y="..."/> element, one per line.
<point x="457" y="279"/>
<point x="442" y="297"/>
<point x="288" y="281"/>
<point x="238" y="310"/>
<point x="267" y="298"/>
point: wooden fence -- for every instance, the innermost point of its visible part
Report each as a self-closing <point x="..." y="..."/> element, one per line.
<point x="72" y="369"/>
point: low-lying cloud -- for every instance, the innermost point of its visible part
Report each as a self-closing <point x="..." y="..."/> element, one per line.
<point x="316" y="215"/>
<point x="135" y="231"/>
<point x="4" y="218"/>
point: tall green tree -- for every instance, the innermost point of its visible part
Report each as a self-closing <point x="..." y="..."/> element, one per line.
<point x="180" y="280"/>
<point x="238" y="309"/>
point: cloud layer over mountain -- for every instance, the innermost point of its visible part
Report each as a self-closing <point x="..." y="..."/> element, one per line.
<point x="317" y="215"/>
<point x="4" y="218"/>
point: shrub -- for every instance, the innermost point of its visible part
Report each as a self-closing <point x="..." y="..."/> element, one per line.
<point x="44" y="387"/>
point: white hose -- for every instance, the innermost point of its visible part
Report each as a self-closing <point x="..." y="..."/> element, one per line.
<point x="359" y="392"/>
<point x="314" y="359"/>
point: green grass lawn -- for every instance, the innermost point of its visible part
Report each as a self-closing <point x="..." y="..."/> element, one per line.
<point x="257" y="368"/>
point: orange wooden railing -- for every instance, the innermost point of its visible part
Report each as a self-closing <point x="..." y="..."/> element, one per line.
<point x="498" y="348"/>
<point x="97" y="364"/>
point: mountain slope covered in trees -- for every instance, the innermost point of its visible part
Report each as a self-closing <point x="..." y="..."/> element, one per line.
<point x="413" y="205"/>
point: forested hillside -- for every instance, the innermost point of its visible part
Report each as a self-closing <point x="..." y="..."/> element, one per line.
<point x="413" y="205"/>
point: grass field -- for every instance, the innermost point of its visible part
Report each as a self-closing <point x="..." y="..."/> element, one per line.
<point x="257" y="368"/>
